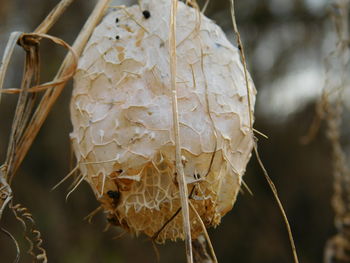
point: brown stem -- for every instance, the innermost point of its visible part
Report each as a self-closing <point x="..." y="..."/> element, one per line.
<point x="200" y="251"/>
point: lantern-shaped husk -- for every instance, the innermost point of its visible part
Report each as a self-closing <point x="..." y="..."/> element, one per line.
<point x="121" y="111"/>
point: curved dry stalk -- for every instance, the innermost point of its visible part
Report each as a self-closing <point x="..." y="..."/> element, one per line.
<point x="244" y="62"/>
<point x="25" y="127"/>
<point x="12" y="42"/>
<point x="179" y="166"/>
<point x="63" y="79"/>
<point x="25" y="102"/>
<point x="5" y="190"/>
<point x="18" y="251"/>
<point x="31" y="233"/>
<point x="156" y="251"/>
<point x="270" y="182"/>
<point x="267" y="177"/>
<point x="212" y="252"/>
<point x="280" y="206"/>
<point x="75" y="186"/>
<point x="51" y="95"/>
<point x="208" y="110"/>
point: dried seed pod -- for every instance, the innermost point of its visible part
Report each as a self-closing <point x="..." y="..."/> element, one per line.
<point x="122" y="119"/>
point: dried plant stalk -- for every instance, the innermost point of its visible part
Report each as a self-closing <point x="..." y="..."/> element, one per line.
<point x="24" y="129"/>
<point x="200" y="254"/>
<point x="179" y="166"/>
<point x="267" y="177"/>
<point x="332" y="101"/>
<point x="7" y="58"/>
<point x="51" y="95"/>
<point x="52" y="18"/>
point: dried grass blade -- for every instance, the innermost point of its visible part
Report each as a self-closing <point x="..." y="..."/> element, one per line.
<point x="261" y="134"/>
<point x="54" y="15"/>
<point x="75" y="186"/>
<point x="51" y="95"/>
<point x="205" y="6"/>
<point x="280" y="206"/>
<point x="63" y="79"/>
<point x="18" y="252"/>
<point x="268" y="179"/>
<point x="241" y="49"/>
<point x="212" y="252"/>
<point x="179" y="166"/>
<point x="25" y="102"/>
<point x="66" y="177"/>
<point x="7" y="57"/>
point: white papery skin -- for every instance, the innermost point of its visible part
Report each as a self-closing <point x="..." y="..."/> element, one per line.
<point x="123" y="127"/>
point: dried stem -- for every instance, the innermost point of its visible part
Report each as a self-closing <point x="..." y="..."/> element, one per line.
<point x="18" y="252"/>
<point x="7" y="57"/>
<point x="179" y="167"/>
<point x="268" y="179"/>
<point x="51" y="95"/>
<point x="52" y="18"/>
<point x="205" y="233"/>
<point x="244" y="62"/>
<point x="280" y="206"/>
<point x="205" y="6"/>
<point x="25" y="127"/>
<point x="200" y="254"/>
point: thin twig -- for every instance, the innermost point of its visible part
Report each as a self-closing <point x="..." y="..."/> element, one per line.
<point x="205" y="6"/>
<point x="179" y="167"/>
<point x="75" y="186"/>
<point x="261" y="134"/>
<point x="7" y="57"/>
<point x="212" y="252"/>
<point x="91" y="215"/>
<point x="18" y="251"/>
<point x="268" y="179"/>
<point x="208" y="111"/>
<point x="241" y="49"/>
<point x="156" y="251"/>
<point x="76" y="168"/>
<point x="52" y="18"/>
<point x="280" y="206"/>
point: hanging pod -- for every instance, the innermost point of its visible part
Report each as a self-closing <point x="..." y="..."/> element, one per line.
<point x="121" y="112"/>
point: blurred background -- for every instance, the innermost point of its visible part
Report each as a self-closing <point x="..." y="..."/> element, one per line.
<point x="285" y="43"/>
